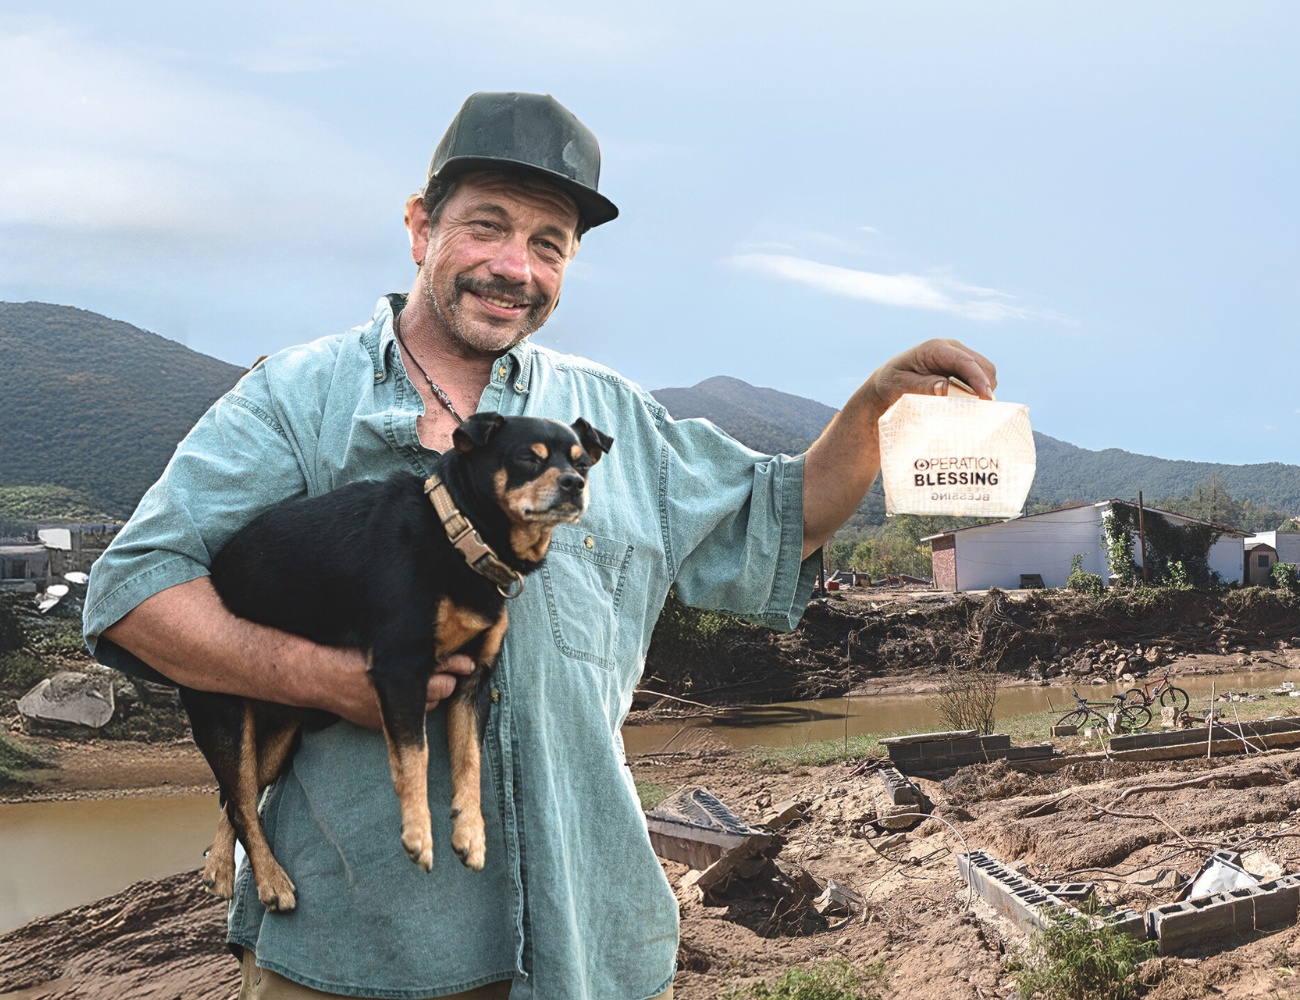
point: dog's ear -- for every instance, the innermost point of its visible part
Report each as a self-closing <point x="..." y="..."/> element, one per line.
<point x="594" y="442"/>
<point x="477" y="430"/>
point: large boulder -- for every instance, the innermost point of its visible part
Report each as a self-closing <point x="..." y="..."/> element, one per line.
<point x="83" y="699"/>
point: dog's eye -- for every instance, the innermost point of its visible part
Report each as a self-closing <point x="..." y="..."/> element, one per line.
<point x="530" y="459"/>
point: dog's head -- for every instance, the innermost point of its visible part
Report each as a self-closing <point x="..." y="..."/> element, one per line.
<point x="533" y="469"/>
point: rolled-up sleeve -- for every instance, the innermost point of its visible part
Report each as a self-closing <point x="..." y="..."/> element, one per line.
<point x="237" y="461"/>
<point x="734" y="520"/>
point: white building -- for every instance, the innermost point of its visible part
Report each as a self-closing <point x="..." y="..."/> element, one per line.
<point x="1043" y="545"/>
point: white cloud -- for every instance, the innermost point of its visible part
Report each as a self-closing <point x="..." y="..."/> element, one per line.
<point x="906" y="291"/>
<point x="96" y="139"/>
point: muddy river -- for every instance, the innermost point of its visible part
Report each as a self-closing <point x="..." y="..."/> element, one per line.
<point x="54" y="855"/>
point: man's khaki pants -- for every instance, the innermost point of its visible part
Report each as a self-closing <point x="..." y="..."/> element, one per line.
<point x="262" y="984"/>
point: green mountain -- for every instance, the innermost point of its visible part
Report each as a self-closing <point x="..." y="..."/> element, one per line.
<point x="94" y="406"/>
<point x="775" y="422"/>
<point x="764" y="419"/>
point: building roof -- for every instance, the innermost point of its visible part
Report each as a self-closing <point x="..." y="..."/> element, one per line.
<point x="1221" y="528"/>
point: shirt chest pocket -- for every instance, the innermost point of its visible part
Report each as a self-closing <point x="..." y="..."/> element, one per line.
<point x="585" y="575"/>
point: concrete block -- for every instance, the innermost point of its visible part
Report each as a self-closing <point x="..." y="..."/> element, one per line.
<point x="1277" y="902"/>
<point x="1057" y="731"/>
<point x="1197" y="921"/>
<point x="901" y="792"/>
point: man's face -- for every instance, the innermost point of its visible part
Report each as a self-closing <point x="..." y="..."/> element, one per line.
<point x="493" y="264"/>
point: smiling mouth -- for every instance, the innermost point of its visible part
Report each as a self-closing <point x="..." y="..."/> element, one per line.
<point x="498" y="295"/>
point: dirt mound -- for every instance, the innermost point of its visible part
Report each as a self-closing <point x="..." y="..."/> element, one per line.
<point x="155" y="940"/>
<point x="846" y="642"/>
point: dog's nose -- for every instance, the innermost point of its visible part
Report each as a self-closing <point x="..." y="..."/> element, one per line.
<point x="570" y="483"/>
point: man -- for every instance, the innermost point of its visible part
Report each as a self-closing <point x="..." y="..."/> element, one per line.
<point x="572" y="903"/>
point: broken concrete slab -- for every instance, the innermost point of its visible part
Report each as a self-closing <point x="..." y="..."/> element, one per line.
<point x="81" y="699"/>
<point x="694" y="827"/>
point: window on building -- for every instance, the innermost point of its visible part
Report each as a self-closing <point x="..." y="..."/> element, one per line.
<point x="1263" y="561"/>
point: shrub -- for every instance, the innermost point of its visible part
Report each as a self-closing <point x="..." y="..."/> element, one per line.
<point x="967" y="699"/>
<point x="831" y="980"/>
<point x="1284" y="577"/>
<point x="1084" y="583"/>
<point x="1071" y="959"/>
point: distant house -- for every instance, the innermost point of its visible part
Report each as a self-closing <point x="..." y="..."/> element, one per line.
<point x="24" y="567"/>
<point x="1265" y="550"/>
<point x="1043" y="545"/>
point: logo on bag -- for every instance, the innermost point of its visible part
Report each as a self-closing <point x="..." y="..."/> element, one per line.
<point x="967" y="470"/>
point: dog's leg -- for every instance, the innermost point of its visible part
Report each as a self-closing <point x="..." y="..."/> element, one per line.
<point x="468" y="837"/>
<point x="219" y="870"/>
<point x="402" y="686"/>
<point x="274" y="888"/>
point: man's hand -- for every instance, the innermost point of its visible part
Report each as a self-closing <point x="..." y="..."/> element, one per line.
<point x="353" y="697"/>
<point x="925" y="370"/>
<point x="843" y="462"/>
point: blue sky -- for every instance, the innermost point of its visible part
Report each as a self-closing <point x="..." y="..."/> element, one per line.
<point x="1103" y="197"/>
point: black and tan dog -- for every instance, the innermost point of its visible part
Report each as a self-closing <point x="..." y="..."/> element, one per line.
<point x="411" y="571"/>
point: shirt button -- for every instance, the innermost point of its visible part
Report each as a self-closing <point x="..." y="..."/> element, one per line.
<point x="379" y="376"/>
<point x="496" y="695"/>
<point x="589" y="542"/>
<point x="519" y="387"/>
<point x="501" y="372"/>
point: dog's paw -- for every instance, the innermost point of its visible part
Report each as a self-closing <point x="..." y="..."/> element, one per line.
<point x="417" y="841"/>
<point x="469" y="840"/>
<point x="219" y="876"/>
<point x="277" y="893"/>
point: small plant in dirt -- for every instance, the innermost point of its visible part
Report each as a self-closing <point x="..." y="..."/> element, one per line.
<point x="830" y="980"/>
<point x="1081" y="582"/>
<point x="1071" y="959"/>
<point x="967" y="699"/>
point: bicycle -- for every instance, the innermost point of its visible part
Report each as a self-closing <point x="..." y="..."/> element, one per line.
<point x="1128" y="718"/>
<point x="1161" y="689"/>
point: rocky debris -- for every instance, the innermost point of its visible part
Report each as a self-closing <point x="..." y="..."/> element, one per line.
<point x="85" y="699"/>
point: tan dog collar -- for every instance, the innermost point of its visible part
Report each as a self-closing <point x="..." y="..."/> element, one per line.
<point x="469" y="543"/>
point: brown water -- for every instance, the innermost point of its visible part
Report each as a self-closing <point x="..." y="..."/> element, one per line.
<point x="831" y="718"/>
<point x="54" y="855"/>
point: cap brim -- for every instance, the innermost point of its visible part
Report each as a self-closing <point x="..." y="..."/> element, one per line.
<point x="594" y="207"/>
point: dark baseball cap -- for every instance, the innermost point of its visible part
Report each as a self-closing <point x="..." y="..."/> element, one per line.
<point x="530" y="131"/>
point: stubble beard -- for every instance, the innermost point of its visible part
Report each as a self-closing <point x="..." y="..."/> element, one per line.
<point x="481" y="337"/>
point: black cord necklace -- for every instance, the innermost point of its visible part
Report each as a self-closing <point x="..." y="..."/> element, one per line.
<point x="437" y="389"/>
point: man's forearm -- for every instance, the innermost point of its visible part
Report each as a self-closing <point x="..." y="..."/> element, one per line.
<point x="187" y="634"/>
<point x="839" y="468"/>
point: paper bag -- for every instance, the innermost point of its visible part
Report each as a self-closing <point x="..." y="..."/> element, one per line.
<point x="961" y="456"/>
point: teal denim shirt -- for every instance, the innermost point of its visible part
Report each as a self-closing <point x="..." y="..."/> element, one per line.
<point x="573" y="904"/>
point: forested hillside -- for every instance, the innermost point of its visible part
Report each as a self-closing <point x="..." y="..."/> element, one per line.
<point x="94" y="407"/>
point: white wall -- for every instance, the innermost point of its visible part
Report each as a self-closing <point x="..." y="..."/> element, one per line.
<point x="1228" y="558"/>
<point x="996" y="555"/>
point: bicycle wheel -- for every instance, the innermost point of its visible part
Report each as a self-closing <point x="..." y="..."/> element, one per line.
<point x="1131" y="718"/>
<point x="1136" y="697"/>
<point x="1079" y="717"/>
<point x="1175" y="697"/>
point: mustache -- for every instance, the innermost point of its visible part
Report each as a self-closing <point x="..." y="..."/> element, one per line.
<point x="498" y="289"/>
